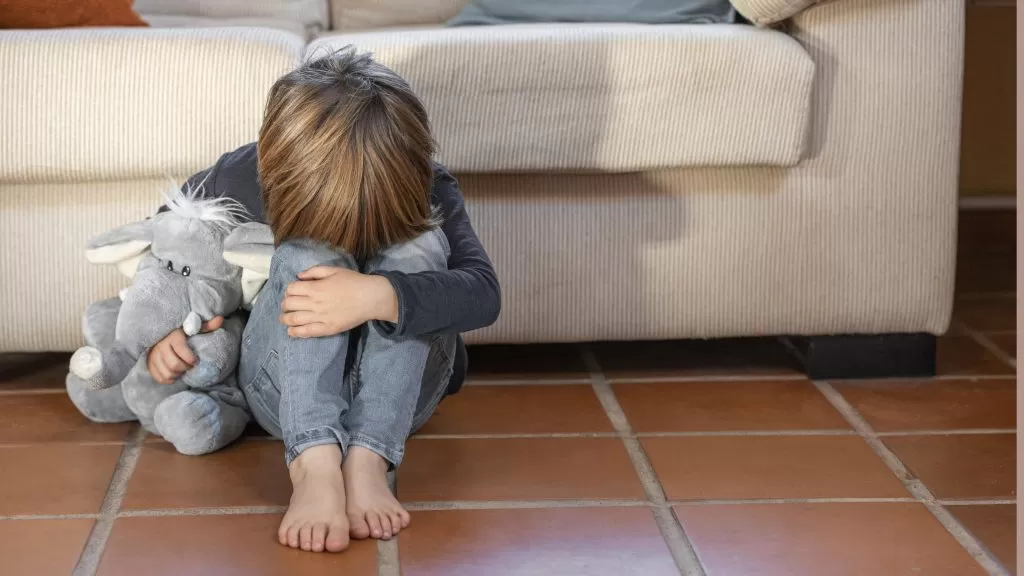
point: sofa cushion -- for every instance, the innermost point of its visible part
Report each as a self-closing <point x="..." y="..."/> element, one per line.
<point x="767" y="12"/>
<point x="492" y="12"/>
<point x="162" y="21"/>
<point x="352" y="15"/>
<point x="312" y="14"/>
<point x="613" y="97"/>
<point x="119" y="103"/>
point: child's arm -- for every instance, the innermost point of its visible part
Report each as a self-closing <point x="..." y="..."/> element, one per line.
<point x="464" y="297"/>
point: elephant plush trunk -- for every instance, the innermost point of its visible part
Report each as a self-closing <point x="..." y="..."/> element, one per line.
<point x="156" y="304"/>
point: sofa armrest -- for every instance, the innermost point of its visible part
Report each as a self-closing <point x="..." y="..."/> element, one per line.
<point x="768" y="12"/>
<point x="121" y="103"/>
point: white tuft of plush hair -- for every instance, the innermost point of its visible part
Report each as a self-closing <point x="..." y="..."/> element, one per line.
<point x="189" y="202"/>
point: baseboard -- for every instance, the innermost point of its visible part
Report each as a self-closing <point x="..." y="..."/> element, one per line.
<point x="988" y="202"/>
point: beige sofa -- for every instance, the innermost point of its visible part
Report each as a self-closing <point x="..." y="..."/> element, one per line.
<point x="629" y="182"/>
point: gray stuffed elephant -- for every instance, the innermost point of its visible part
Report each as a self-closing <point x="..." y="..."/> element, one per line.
<point x="188" y="264"/>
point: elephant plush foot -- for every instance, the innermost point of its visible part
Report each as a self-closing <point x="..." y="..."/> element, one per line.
<point x="142" y="394"/>
<point x="196" y="423"/>
<point x="100" y="370"/>
<point x="86" y="362"/>
<point x="105" y="406"/>
<point x="87" y="365"/>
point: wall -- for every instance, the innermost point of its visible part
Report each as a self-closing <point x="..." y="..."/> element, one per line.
<point x="988" y="156"/>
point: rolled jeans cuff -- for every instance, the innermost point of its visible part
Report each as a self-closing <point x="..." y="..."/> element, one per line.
<point x="315" y="437"/>
<point x="392" y="455"/>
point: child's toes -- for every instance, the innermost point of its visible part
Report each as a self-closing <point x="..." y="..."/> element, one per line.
<point x="358" y="526"/>
<point x="319" y="535"/>
<point x="293" y="535"/>
<point x="306" y="537"/>
<point x="385" y="527"/>
<point x="396" y="523"/>
<point x="373" y="520"/>
<point x="337" y="538"/>
<point x="404" y="517"/>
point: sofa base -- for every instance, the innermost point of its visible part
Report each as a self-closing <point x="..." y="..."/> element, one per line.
<point x="867" y="356"/>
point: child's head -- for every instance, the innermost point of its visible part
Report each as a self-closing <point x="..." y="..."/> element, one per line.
<point x="345" y="155"/>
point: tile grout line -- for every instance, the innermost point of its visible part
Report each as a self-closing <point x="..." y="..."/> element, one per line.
<point x="516" y="436"/>
<point x="585" y="381"/>
<point x="759" y="501"/>
<point x="213" y="511"/>
<point x="89" y="560"/>
<point x="16" y="517"/>
<point x="30" y="392"/>
<point x="950" y="432"/>
<point x="387" y="557"/>
<point x="441" y="505"/>
<point x="821" y="432"/>
<point x="718" y="433"/>
<point x="670" y="379"/>
<point x="681" y="434"/>
<point x="65" y="443"/>
<point x="683" y="553"/>
<point x="987" y="344"/>
<point x="388" y="563"/>
<point x="973" y="377"/>
<point x="978" y="502"/>
<point x="913" y="484"/>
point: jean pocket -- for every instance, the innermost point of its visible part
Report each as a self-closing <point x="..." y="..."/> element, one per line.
<point x="438" y="372"/>
<point x="442" y="353"/>
<point x="263" y="395"/>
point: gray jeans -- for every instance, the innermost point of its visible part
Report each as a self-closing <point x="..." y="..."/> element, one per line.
<point x="308" y="392"/>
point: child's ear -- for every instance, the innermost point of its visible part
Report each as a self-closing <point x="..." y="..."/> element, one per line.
<point x="250" y="247"/>
<point x="123" y="246"/>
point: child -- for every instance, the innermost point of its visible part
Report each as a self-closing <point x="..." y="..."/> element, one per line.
<point x="354" y="339"/>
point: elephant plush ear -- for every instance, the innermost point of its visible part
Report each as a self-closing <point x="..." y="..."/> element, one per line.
<point x="251" y="247"/>
<point x="123" y="246"/>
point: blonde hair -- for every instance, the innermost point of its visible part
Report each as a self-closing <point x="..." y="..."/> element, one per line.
<point x="345" y="156"/>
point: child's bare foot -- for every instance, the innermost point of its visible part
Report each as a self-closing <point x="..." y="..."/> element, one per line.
<point x="315" y="520"/>
<point x="372" y="510"/>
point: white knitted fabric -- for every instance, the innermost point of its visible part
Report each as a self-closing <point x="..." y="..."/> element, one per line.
<point x="123" y="103"/>
<point x="603" y="97"/>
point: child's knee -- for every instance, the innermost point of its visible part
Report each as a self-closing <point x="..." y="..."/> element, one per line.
<point x="295" y="256"/>
<point x="427" y="252"/>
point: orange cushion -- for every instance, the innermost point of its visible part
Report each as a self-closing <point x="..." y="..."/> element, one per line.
<point x="67" y="13"/>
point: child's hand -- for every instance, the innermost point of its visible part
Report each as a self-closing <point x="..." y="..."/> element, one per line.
<point x="171" y="357"/>
<point x="328" y="300"/>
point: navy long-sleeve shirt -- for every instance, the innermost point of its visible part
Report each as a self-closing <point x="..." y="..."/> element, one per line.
<point x="464" y="297"/>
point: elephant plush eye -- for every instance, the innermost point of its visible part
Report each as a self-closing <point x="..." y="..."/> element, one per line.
<point x="185" y="271"/>
<point x="170" y="266"/>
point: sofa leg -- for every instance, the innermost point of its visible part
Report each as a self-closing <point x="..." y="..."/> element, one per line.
<point x="867" y="356"/>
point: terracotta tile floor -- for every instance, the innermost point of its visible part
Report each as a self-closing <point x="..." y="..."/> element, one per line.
<point x="714" y="458"/>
